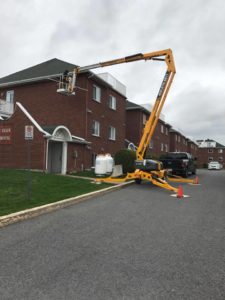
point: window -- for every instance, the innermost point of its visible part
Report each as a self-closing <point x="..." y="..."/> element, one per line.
<point x="161" y="146"/>
<point x="220" y="150"/>
<point x="178" y="139"/>
<point x="93" y="158"/>
<point x="210" y="159"/>
<point x="151" y="144"/>
<point x="10" y="96"/>
<point x="210" y="150"/>
<point x="175" y="137"/>
<point x="96" y="128"/>
<point x="112" y="133"/>
<point x="166" y="148"/>
<point x="96" y="93"/>
<point x="166" y="131"/>
<point x="112" y="102"/>
<point x="144" y="119"/>
<point x="162" y="129"/>
<point x="221" y="159"/>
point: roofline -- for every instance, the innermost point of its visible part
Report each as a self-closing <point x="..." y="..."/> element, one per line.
<point x="32" y="119"/>
<point x="29" y="80"/>
<point x="36" y="79"/>
<point x="141" y="108"/>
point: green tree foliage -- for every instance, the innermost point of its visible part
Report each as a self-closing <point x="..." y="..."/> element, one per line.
<point x="126" y="158"/>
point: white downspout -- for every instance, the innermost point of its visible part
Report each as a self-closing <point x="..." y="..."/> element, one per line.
<point x="64" y="158"/>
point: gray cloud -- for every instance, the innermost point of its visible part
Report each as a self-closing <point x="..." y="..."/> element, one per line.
<point x="85" y="32"/>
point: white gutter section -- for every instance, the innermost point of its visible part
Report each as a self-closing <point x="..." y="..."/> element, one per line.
<point x="78" y="138"/>
<point x="29" y="80"/>
<point x="32" y="119"/>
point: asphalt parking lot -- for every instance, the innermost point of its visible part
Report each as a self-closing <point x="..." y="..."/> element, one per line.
<point x="134" y="243"/>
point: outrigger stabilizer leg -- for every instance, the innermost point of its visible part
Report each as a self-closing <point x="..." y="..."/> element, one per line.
<point x="140" y="175"/>
<point x="175" y="178"/>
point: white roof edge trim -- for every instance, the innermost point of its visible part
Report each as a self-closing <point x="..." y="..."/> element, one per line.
<point x="78" y="138"/>
<point x="32" y="119"/>
<point x="30" y="80"/>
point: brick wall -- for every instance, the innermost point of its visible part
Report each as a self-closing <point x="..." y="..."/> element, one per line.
<point x="15" y="154"/>
<point x="134" y="126"/>
<point x="135" y="122"/>
<point x="76" y="113"/>
<point x="205" y="155"/>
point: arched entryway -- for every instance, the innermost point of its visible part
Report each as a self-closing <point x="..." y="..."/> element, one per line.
<point x="57" y="149"/>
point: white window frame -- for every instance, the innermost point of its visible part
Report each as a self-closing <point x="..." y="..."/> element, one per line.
<point x="166" y="147"/>
<point x="166" y="131"/>
<point x="151" y="144"/>
<point x="162" y="128"/>
<point x="112" y="102"/>
<point x="95" y="128"/>
<point x="144" y="119"/>
<point x="112" y="133"/>
<point x="220" y="150"/>
<point x="162" y="147"/>
<point x="10" y="96"/>
<point x="96" y="96"/>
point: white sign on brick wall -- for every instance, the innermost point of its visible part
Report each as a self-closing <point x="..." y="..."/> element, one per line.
<point x="29" y="132"/>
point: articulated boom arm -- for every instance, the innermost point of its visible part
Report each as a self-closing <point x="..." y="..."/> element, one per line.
<point x="144" y="171"/>
<point x="163" y="55"/>
<point x="157" y="108"/>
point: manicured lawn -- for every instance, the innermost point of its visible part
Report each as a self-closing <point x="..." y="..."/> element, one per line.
<point x="86" y="173"/>
<point x="89" y="173"/>
<point x="45" y="188"/>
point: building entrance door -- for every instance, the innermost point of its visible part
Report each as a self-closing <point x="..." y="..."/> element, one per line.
<point x="55" y="151"/>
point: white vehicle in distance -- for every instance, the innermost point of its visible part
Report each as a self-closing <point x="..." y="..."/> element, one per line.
<point x="214" y="165"/>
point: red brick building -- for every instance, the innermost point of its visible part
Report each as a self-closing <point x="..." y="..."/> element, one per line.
<point x="210" y="150"/>
<point x="192" y="148"/>
<point x="136" y="117"/>
<point x="178" y="142"/>
<point x="165" y="138"/>
<point x="68" y="131"/>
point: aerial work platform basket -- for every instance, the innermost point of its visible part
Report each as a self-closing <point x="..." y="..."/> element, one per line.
<point x="66" y="84"/>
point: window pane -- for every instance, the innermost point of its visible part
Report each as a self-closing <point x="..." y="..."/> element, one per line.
<point x="96" y="128"/>
<point x="10" y="96"/>
<point x="112" y="133"/>
<point x="112" y="102"/>
<point x="96" y="93"/>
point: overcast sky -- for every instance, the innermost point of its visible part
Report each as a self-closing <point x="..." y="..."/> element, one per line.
<point x="90" y="31"/>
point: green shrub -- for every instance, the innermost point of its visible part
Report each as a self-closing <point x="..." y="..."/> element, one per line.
<point x="126" y="158"/>
<point x="150" y="155"/>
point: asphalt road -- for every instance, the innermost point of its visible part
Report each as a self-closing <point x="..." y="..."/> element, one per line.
<point x="134" y="243"/>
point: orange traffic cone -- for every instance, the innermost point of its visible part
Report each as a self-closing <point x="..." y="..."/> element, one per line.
<point x="180" y="193"/>
<point x="196" y="180"/>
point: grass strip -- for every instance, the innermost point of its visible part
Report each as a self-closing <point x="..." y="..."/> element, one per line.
<point x="16" y="195"/>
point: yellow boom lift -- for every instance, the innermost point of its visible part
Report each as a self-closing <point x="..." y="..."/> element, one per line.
<point x="146" y="169"/>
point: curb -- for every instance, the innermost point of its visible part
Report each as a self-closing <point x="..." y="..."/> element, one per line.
<point x="44" y="209"/>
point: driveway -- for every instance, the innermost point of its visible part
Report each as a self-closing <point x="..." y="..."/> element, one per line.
<point x="134" y="243"/>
